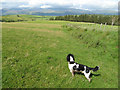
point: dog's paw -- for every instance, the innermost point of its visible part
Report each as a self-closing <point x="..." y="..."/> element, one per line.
<point x="89" y="80"/>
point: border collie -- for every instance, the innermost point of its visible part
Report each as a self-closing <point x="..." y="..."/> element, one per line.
<point x="75" y="67"/>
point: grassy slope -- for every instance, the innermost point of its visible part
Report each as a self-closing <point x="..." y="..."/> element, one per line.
<point x="34" y="55"/>
<point x="0" y="56"/>
<point x="23" y="17"/>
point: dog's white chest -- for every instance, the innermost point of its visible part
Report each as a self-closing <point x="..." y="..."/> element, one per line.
<point x="71" y="66"/>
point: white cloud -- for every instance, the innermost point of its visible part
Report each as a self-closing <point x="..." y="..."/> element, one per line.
<point x="24" y="6"/>
<point x="46" y="6"/>
<point x="86" y="4"/>
<point x="14" y="0"/>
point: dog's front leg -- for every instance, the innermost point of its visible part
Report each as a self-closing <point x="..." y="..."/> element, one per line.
<point x="73" y="73"/>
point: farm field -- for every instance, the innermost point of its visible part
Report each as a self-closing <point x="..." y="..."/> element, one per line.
<point x="22" y="17"/>
<point x="34" y="54"/>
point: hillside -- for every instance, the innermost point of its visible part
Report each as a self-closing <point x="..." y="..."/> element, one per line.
<point x="54" y="11"/>
<point x="23" y="17"/>
<point x="34" y="54"/>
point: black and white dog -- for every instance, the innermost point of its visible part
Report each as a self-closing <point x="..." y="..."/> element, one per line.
<point x="75" y="67"/>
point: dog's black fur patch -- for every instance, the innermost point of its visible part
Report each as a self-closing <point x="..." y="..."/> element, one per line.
<point x="75" y="67"/>
<point x="68" y="57"/>
<point x="81" y="66"/>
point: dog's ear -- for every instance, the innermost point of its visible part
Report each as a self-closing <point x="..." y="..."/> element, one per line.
<point x="70" y="57"/>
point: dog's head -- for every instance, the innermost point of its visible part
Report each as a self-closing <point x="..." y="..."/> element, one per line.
<point x="70" y="58"/>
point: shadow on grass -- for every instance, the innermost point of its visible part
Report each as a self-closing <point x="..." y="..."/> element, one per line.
<point x="90" y="74"/>
<point x="94" y="74"/>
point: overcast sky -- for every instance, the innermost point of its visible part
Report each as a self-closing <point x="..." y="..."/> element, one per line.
<point x="78" y="4"/>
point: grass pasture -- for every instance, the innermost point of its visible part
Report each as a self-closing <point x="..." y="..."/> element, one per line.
<point x="22" y="17"/>
<point x="34" y="54"/>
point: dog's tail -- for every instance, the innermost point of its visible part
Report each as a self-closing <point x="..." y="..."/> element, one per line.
<point x="94" y="69"/>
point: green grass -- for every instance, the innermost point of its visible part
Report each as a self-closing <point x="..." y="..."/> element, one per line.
<point x="34" y="54"/>
<point x="0" y="56"/>
<point x="18" y="18"/>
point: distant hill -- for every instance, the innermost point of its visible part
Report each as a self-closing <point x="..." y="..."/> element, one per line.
<point x="54" y="11"/>
<point x="21" y="17"/>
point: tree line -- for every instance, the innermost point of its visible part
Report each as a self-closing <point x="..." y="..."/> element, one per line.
<point x="104" y="19"/>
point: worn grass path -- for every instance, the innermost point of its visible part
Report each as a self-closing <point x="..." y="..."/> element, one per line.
<point x="34" y="56"/>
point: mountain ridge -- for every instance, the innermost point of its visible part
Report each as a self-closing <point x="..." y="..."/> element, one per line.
<point x="54" y="11"/>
